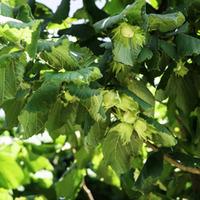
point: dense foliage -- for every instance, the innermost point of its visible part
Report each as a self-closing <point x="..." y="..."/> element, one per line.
<point x="103" y="104"/>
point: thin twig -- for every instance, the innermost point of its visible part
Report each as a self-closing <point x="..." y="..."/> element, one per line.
<point x="169" y="159"/>
<point x="87" y="191"/>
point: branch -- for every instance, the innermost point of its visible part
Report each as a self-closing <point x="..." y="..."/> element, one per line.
<point x="87" y="191"/>
<point x="192" y="170"/>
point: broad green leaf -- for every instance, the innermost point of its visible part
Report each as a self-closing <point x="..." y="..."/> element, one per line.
<point x="132" y="12"/>
<point x="58" y="54"/>
<point x="6" y="10"/>
<point x="180" y="91"/>
<point x="63" y="54"/>
<point x="32" y="122"/>
<point x="117" y="154"/>
<point x="96" y="133"/>
<point x="14" y="3"/>
<point x="83" y="157"/>
<point x="82" y="92"/>
<point x="139" y="89"/>
<point x="70" y="184"/>
<point x="46" y="95"/>
<point x="152" y="169"/>
<point x="13" y="108"/>
<point x="11" y="174"/>
<point x="57" y="117"/>
<point x="24" y="14"/>
<point x="17" y="32"/>
<point x="165" y="22"/>
<point x="5" y="194"/>
<point x="38" y="162"/>
<point x="164" y="139"/>
<point x="49" y="90"/>
<point x="127" y="182"/>
<point x="107" y="23"/>
<point x="12" y="67"/>
<point x="145" y="54"/>
<point x="168" y="48"/>
<point x="135" y="13"/>
<point x="159" y="133"/>
<point x="94" y="106"/>
<point x="114" y="7"/>
<point x="108" y="174"/>
<point x="67" y="124"/>
<point x="190" y="46"/>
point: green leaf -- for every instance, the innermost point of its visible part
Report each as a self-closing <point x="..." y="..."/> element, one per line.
<point x="165" y="22"/>
<point x="32" y="122"/>
<point x="24" y="14"/>
<point x="96" y="133"/>
<point x="164" y="139"/>
<point x="14" y="3"/>
<point x="180" y="90"/>
<point x="70" y="183"/>
<point x="135" y="12"/>
<point x="132" y="12"/>
<point x="159" y="133"/>
<point x="114" y="7"/>
<point x="6" y="10"/>
<point x="5" y="194"/>
<point x="94" y="106"/>
<point x="49" y="90"/>
<point x="82" y="92"/>
<point x="116" y="153"/>
<point x="107" y="174"/>
<point x="145" y="54"/>
<point x="67" y="124"/>
<point x="57" y="117"/>
<point x="168" y="48"/>
<point x="107" y="23"/>
<point x="11" y="174"/>
<point x="62" y="54"/>
<point x="190" y="46"/>
<point x="12" y="67"/>
<point x="13" y="108"/>
<point x="83" y="157"/>
<point x="17" y="32"/>
<point x="36" y="162"/>
<point x="140" y="90"/>
<point x="152" y="168"/>
<point x="58" y="54"/>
